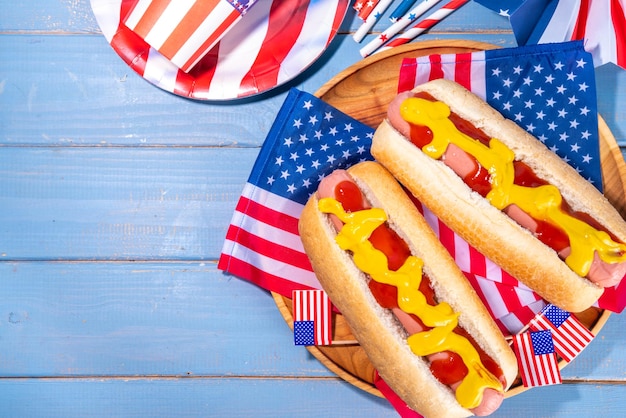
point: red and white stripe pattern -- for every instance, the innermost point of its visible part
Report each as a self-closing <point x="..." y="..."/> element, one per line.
<point x="268" y="223"/>
<point x="511" y="304"/>
<point x="467" y="69"/>
<point x="537" y="359"/>
<point x="184" y="31"/>
<point x="314" y="305"/>
<point x="601" y="23"/>
<point x="569" y="335"/>
<point x="275" y="42"/>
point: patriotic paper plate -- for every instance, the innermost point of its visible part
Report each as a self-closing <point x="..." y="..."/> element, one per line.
<point x="275" y="42"/>
<point x="361" y="92"/>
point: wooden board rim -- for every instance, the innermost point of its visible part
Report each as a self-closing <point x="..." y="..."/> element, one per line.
<point x="610" y="155"/>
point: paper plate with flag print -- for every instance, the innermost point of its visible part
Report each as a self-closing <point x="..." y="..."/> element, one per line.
<point x="361" y="91"/>
<point x="275" y="42"/>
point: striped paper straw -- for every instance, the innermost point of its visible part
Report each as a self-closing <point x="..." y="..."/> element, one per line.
<point x="371" y="20"/>
<point x="430" y="21"/>
<point x="397" y="27"/>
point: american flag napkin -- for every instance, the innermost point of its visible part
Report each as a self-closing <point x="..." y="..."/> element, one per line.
<point x="601" y="23"/>
<point x="548" y="90"/>
<point x="308" y="140"/>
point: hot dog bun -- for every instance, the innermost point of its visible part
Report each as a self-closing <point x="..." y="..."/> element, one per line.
<point x="376" y="329"/>
<point x="484" y="226"/>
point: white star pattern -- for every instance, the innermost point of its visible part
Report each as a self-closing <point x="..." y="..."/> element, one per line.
<point x="550" y="100"/>
<point x="315" y="140"/>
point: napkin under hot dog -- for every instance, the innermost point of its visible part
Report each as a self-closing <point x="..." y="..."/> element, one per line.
<point x="549" y="90"/>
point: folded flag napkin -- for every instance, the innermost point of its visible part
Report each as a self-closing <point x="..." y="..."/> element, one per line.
<point x="600" y="23"/>
<point x="308" y="140"/>
<point x="185" y="31"/>
<point x="548" y="89"/>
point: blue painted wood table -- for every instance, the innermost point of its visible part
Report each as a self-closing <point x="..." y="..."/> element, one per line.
<point x="115" y="197"/>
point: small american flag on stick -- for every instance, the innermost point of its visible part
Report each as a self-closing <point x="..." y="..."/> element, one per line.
<point x="311" y="317"/>
<point x="569" y="334"/>
<point x="537" y="358"/>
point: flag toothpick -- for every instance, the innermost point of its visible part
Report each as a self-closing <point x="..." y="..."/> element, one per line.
<point x="537" y="359"/>
<point x="311" y="317"/>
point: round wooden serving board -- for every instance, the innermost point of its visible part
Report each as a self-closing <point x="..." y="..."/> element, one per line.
<point x="363" y="91"/>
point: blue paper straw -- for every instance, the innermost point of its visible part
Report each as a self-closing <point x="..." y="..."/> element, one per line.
<point x="401" y="10"/>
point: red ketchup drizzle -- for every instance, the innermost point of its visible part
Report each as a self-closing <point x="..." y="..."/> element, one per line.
<point x="479" y="180"/>
<point x="449" y="369"/>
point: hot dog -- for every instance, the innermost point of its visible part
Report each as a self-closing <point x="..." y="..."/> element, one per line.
<point x="504" y="192"/>
<point x="407" y="303"/>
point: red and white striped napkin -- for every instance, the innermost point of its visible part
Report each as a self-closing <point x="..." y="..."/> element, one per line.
<point x="184" y="31"/>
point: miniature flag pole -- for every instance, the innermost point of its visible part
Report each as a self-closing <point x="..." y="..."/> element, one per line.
<point x="537" y="359"/>
<point x="312" y="318"/>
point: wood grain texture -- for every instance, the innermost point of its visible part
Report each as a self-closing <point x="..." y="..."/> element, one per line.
<point x="141" y="319"/>
<point x="271" y="398"/>
<point x="114" y="204"/>
<point x="67" y="319"/>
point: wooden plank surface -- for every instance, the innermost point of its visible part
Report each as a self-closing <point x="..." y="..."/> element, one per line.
<point x="264" y="398"/>
<point x="114" y="200"/>
<point x="87" y="96"/>
<point x="118" y="204"/>
<point x="172" y="319"/>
